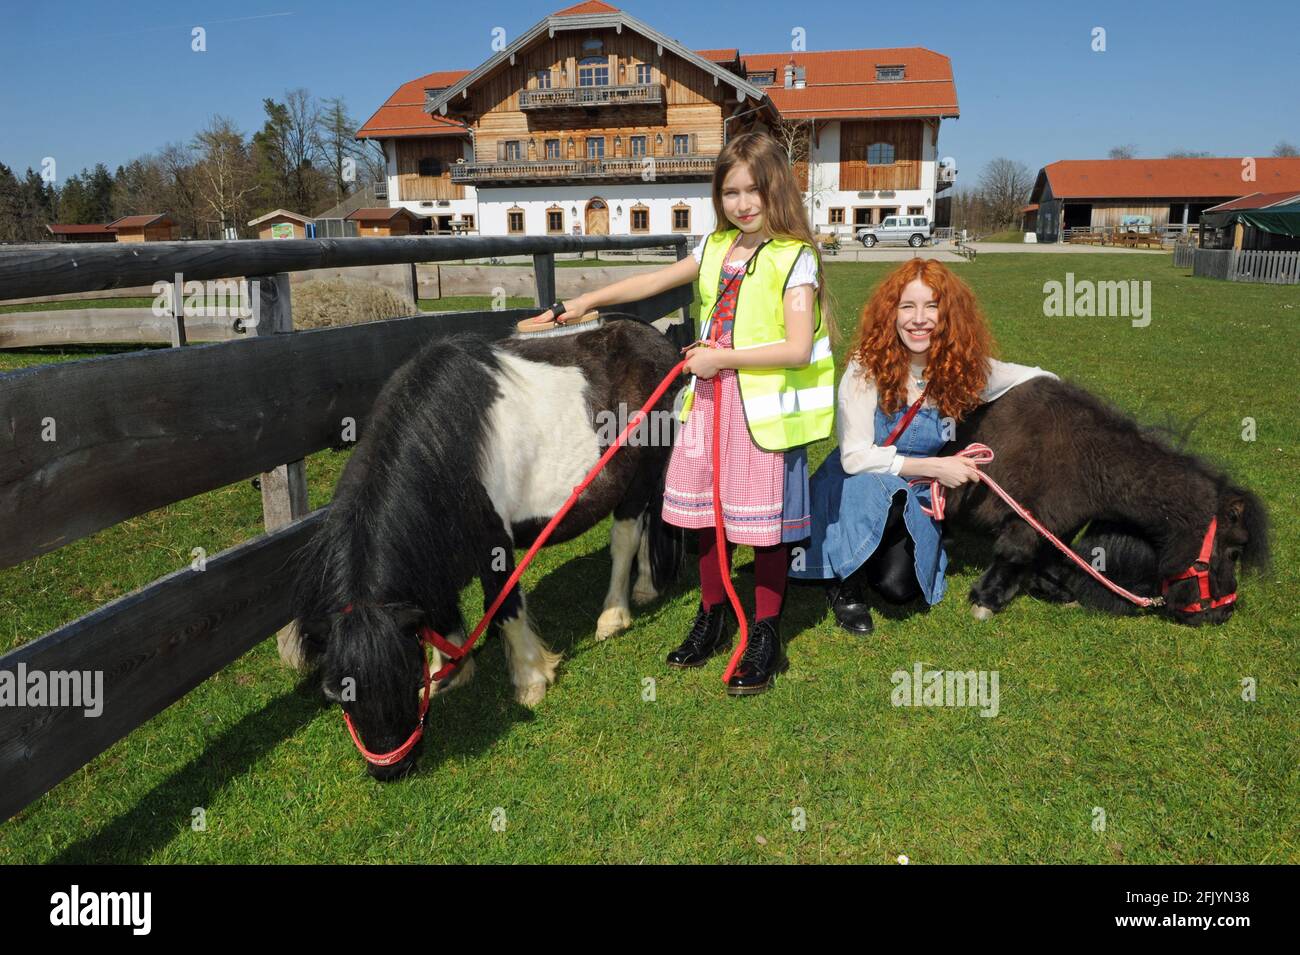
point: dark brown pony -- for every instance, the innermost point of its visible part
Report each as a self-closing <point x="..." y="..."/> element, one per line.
<point x="1076" y="462"/>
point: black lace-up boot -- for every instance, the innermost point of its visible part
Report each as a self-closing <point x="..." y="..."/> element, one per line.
<point x="708" y="637"/>
<point x="849" y="602"/>
<point x="761" y="662"/>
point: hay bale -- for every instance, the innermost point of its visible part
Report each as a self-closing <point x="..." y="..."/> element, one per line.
<point x="329" y="302"/>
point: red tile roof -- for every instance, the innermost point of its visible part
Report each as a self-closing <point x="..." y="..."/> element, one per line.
<point x="139" y="222"/>
<point x="843" y="84"/>
<point x="591" y="6"/>
<point x="403" y="114"/>
<point x="1162" y="178"/>
<point x="838" y="84"/>
<point x="93" y="229"/>
<point x="383" y="214"/>
<point x="1258" y="200"/>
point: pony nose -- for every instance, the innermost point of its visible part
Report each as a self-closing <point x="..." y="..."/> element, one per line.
<point x="387" y="774"/>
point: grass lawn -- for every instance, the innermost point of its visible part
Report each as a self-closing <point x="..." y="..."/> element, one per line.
<point x="1137" y="718"/>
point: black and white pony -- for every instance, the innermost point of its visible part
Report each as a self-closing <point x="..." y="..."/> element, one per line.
<point x="471" y="448"/>
<point x="1076" y="462"/>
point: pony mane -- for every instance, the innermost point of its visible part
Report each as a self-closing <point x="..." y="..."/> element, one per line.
<point x="387" y="537"/>
<point x="1160" y="439"/>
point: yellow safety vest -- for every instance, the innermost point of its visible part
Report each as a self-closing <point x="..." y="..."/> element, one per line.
<point x="784" y="407"/>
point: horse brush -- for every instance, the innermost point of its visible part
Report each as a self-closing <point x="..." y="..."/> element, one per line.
<point x="530" y="328"/>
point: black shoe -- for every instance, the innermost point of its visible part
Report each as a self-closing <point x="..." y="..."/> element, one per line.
<point x="708" y="637"/>
<point x="761" y="662"/>
<point x="849" y="602"/>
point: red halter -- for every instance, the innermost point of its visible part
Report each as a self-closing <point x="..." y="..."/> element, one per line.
<point x="428" y="638"/>
<point x="1200" y="570"/>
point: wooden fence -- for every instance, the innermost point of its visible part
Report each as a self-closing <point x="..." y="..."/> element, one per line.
<point x="139" y="431"/>
<point x="1238" y="265"/>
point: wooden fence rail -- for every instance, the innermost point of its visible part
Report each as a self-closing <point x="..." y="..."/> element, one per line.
<point x="88" y="444"/>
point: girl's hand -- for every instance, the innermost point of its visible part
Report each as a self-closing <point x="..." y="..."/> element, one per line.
<point x="703" y="361"/>
<point x="953" y="471"/>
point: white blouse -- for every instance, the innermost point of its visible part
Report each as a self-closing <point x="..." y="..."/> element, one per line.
<point x="804" y="272"/>
<point x="855" y="421"/>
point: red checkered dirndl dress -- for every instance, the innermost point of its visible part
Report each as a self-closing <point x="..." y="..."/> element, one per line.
<point x="753" y="479"/>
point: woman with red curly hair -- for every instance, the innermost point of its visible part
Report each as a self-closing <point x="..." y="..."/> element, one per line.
<point x="920" y="362"/>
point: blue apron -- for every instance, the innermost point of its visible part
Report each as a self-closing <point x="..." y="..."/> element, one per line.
<point x="849" y="510"/>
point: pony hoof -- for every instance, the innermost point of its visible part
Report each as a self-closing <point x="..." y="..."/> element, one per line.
<point x="289" y="642"/>
<point x="462" y="678"/>
<point x="612" y="621"/>
<point x="981" y="613"/>
<point x="532" y="694"/>
<point x="644" y="594"/>
<point x="1073" y="604"/>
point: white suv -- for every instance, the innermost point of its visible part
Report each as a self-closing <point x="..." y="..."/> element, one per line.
<point x="914" y="230"/>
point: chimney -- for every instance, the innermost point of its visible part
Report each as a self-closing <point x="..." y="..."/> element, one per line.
<point x="789" y="73"/>
<point x="799" y="78"/>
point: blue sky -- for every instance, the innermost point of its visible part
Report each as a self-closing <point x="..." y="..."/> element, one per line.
<point x="99" y="81"/>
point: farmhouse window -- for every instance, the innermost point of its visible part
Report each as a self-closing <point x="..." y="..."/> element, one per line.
<point x="515" y="221"/>
<point x="836" y="216"/>
<point x="682" y="219"/>
<point x="552" y="149"/>
<point x="643" y="73"/>
<point x="640" y="219"/>
<point x="430" y="166"/>
<point x="543" y="79"/>
<point x="593" y="71"/>
<point x="880" y="154"/>
<point x="595" y="147"/>
<point x="554" y="221"/>
<point x="682" y="144"/>
<point x="636" y="145"/>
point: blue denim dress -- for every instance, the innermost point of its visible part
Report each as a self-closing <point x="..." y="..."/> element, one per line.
<point x="849" y="510"/>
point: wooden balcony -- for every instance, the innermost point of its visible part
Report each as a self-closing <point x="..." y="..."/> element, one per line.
<point x="574" y="97"/>
<point x="583" y="170"/>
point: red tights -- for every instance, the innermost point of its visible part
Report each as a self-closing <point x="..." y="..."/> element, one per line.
<point x="771" y="565"/>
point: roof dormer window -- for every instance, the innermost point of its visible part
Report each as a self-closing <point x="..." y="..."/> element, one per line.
<point x="885" y="74"/>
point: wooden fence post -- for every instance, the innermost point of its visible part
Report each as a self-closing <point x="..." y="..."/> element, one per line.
<point x="544" y="278"/>
<point x="176" y="299"/>
<point x="688" y="331"/>
<point x="284" y="489"/>
<point x="412" y="287"/>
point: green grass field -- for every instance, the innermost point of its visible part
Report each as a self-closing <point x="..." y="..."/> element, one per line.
<point x="1139" y="718"/>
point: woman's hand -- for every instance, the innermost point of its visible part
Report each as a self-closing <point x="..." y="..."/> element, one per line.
<point x="703" y="361"/>
<point x="953" y="471"/>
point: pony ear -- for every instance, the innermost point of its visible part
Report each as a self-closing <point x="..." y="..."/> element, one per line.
<point x="1235" y="510"/>
<point x="1245" y="511"/>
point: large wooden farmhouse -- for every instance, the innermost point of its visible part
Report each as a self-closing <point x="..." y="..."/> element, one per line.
<point x="593" y="122"/>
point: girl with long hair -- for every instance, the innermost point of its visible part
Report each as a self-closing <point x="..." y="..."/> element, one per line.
<point x="920" y="362"/>
<point x="763" y="355"/>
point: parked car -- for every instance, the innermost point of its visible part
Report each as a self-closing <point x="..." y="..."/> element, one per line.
<point x="914" y="230"/>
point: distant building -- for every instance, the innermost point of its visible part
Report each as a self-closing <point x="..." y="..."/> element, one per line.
<point x="281" y="224"/>
<point x="1145" y="193"/>
<point x="591" y="121"/>
<point x="1268" y="221"/>
<point x="155" y="227"/>
<point x="387" y="222"/>
<point x="81" y="233"/>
